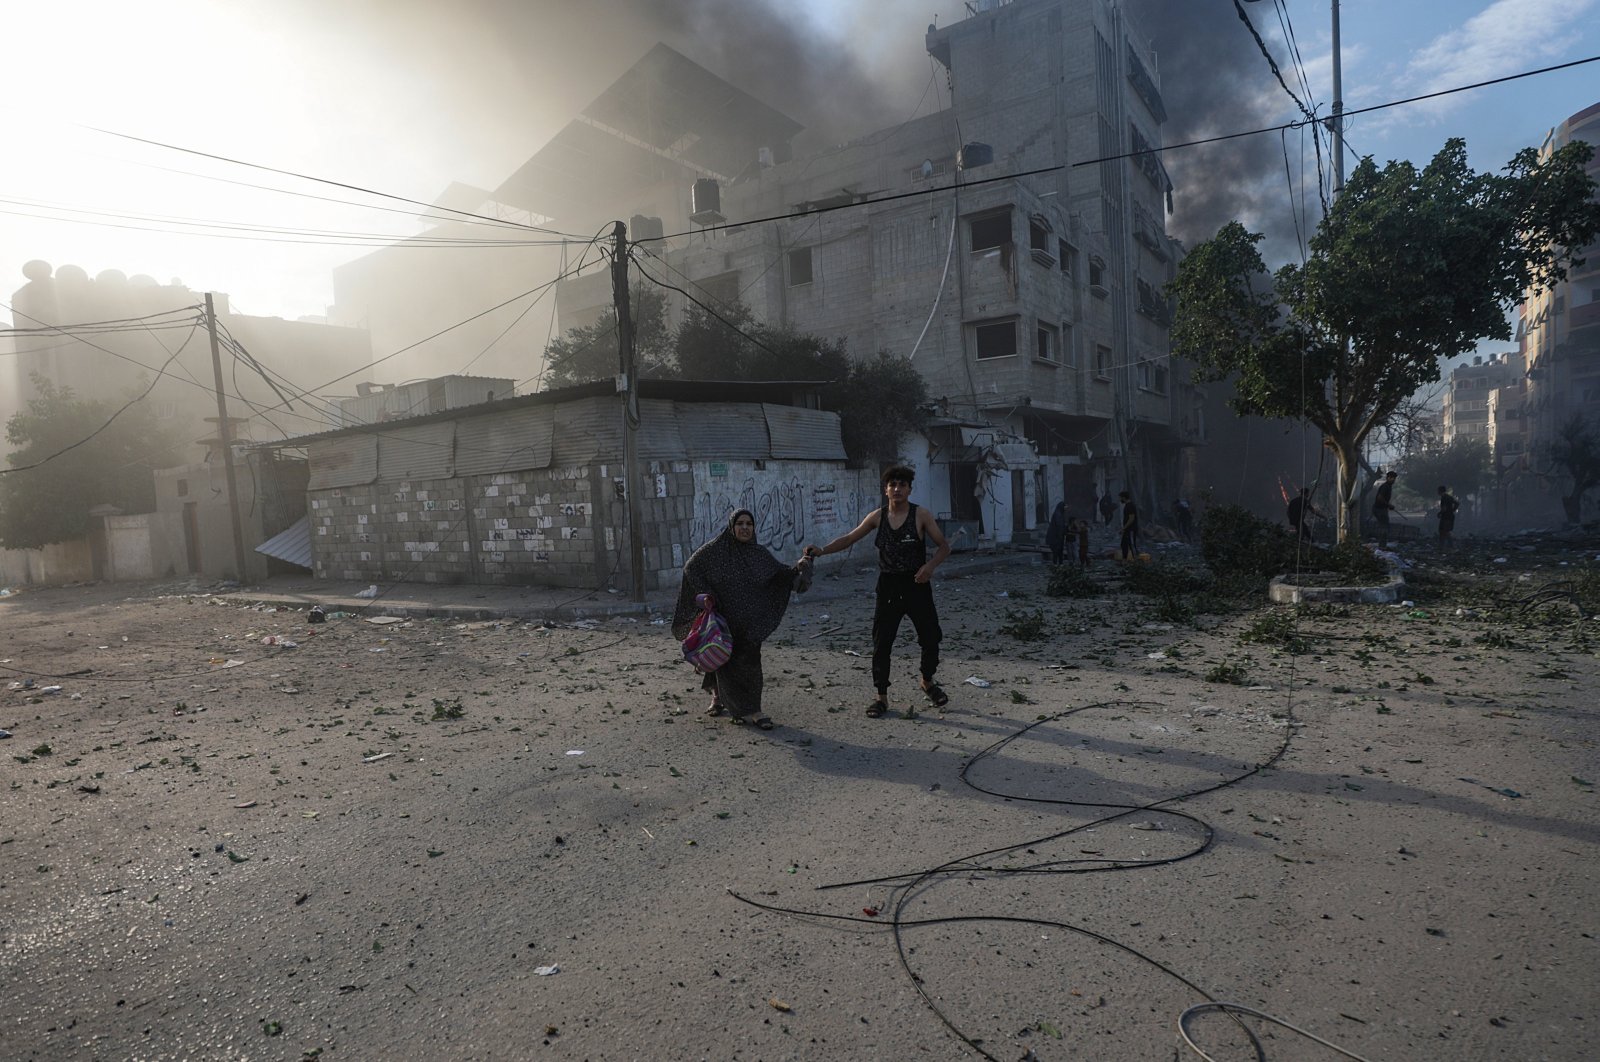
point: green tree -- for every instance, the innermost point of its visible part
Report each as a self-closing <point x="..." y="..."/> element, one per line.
<point x="1407" y="268"/>
<point x="881" y="400"/>
<point x="1574" y="453"/>
<point x="589" y="352"/>
<point x="55" y="483"/>
<point x="732" y="345"/>
<point x="1463" y="466"/>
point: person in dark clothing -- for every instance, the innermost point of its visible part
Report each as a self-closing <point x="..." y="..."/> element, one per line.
<point x="1130" y="526"/>
<point x="1382" y="506"/>
<point x="1108" y="508"/>
<point x="902" y="531"/>
<point x="1056" y="535"/>
<point x="1448" y="507"/>
<point x="1300" y="511"/>
<point x="750" y="588"/>
<point x="1078" y="527"/>
<point x="1185" y="516"/>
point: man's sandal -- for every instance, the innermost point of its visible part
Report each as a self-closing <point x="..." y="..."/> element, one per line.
<point x="716" y="709"/>
<point x="760" y="722"/>
<point x="938" y="696"/>
<point x="877" y="709"/>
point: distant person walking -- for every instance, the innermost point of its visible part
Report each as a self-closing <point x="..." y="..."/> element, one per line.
<point x="1079" y="528"/>
<point x="1130" y="526"/>
<point x="1299" y="513"/>
<point x="1185" y="517"/>
<point x="1108" y="508"/>
<point x="1382" y="506"/>
<point x="903" y="531"/>
<point x="1056" y="535"/>
<point x="1448" y="507"/>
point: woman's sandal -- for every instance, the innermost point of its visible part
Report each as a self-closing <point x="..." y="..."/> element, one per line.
<point x="938" y="696"/>
<point x="760" y="722"/>
<point x="716" y="710"/>
<point x="877" y="709"/>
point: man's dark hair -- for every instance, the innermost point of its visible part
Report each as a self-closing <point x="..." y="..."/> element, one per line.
<point x="897" y="472"/>
<point x="1125" y="496"/>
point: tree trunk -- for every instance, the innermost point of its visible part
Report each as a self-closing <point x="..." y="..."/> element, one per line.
<point x="1349" y="496"/>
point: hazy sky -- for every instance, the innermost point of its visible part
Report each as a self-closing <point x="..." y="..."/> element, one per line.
<point x="405" y="96"/>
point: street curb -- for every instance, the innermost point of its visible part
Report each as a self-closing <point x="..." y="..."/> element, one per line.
<point x="408" y="606"/>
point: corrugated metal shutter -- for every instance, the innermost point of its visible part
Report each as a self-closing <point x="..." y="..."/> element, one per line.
<point x="658" y="431"/>
<point x="804" y="433"/>
<point x="426" y="451"/>
<point x="719" y="430"/>
<point x="347" y="461"/>
<point x="588" y="430"/>
<point x="504" y="442"/>
<point x="292" y="544"/>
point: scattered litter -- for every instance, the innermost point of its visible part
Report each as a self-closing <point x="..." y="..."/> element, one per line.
<point x="982" y="684"/>
<point x="316" y="615"/>
<point x="1003" y="593"/>
<point x="1157" y="655"/>
<point x="1500" y="560"/>
<point x="574" y="752"/>
<point x="280" y="641"/>
<point x="246" y="804"/>
<point x="375" y="759"/>
<point x="1408" y="604"/>
<point x="1259" y="689"/>
<point x="1144" y="826"/>
<point x="851" y="652"/>
<point x="779" y="1005"/>
<point x="384" y="621"/>
<point x="1466" y="613"/>
<point x="1156" y="627"/>
<point x="546" y="971"/>
<point x="4" y="734"/>
<point x="369" y="592"/>
<point x="221" y="664"/>
<point x="7" y="592"/>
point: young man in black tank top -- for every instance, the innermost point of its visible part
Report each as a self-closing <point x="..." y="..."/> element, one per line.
<point x="903" y="531"/>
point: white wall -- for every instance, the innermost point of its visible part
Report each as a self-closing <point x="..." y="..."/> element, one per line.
<point x="795" y="502"/>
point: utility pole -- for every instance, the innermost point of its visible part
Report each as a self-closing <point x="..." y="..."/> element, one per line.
<point x="1338" y="107"/>
<point x="628" y="387"/>
<point x="225" y="434"/>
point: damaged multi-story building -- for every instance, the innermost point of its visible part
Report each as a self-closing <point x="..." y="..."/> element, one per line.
<point x="1012" y="245"/>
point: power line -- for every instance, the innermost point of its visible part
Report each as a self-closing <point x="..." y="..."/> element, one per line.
<point x="270" y="234"/>
<point x="1313" y="120"/>
<point x="324" y="180"/>
<point x="123" y="409"/>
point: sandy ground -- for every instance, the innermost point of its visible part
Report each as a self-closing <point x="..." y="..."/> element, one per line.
<point x="380" y="844"/>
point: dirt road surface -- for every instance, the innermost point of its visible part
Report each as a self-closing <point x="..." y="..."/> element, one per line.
<point x="437" y="840"/>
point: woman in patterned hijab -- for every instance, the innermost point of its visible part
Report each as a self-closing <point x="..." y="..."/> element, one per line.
<point x="751" y="588"/>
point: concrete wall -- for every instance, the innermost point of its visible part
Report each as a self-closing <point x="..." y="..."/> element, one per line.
<point x="566" y="526"/>
<point x="60" y="562"/>
<point x="795" y="502"/>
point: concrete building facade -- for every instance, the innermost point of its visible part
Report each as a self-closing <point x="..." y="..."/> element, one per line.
<point x="1465" y="408"/>
<point x="1026" y="288"/>
<point x="1559" y="329"/>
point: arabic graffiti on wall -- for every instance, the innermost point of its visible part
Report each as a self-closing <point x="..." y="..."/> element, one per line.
<point x="793" y="505"/>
